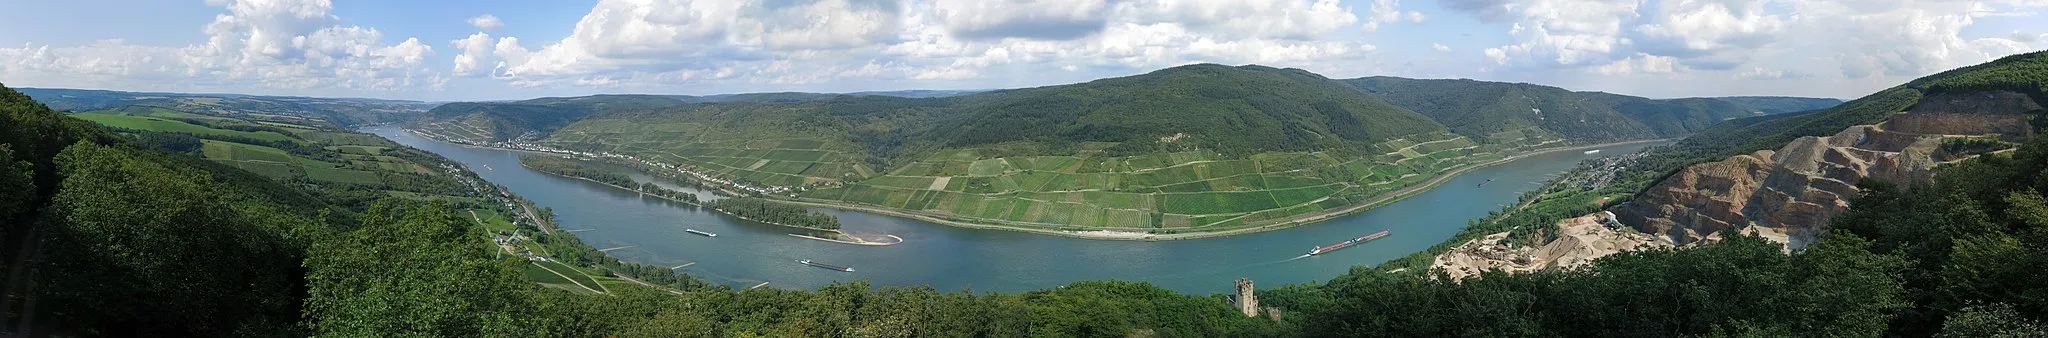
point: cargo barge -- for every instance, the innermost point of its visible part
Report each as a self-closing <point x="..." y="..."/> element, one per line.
<point x="823" y="265"/>
<point x="706" y="234"/>
<point x="1346" y="244"/>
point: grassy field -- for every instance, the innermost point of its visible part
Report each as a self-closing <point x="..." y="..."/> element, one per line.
<point x="577" y="277"/>
<point x="162" y="124"/>
<point x="361" y="157"/>
<point x="1192" y="190"/>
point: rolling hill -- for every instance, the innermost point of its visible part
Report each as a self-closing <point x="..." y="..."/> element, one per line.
<point x="1474" y="108"/>
<point x="310" y="111"/>
<point x="1186" y="149"/>
<point x="1196" y="148"/>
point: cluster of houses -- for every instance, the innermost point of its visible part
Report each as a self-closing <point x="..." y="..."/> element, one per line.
<point x="509" y="241"/>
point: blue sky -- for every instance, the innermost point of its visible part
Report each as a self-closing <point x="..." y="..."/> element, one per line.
<point x="487" y="50"/>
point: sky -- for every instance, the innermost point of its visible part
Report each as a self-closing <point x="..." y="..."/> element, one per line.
<point x="460" y="50"/>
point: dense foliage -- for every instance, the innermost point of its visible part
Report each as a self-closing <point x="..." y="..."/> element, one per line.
<point x="1480" y="109"/>
<point x="1781" y="104"/>
<point x="762" y="210"/>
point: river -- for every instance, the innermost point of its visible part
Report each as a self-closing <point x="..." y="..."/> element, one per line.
<point x="950" y="258"/>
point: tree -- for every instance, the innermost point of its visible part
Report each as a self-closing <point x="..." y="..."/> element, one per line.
<point x="17" y="186"/>
<point x="1997" y="320"/>
<point x="139" y="248"/>
<point x="411" y="270"/>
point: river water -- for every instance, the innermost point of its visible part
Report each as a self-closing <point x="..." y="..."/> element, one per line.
<point x="947" y="258"/>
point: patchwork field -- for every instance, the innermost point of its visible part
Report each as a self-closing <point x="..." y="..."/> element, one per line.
<point x="766" y="159"/>
<point x="1170" y="192"/>
<point x="348" y="157"/>
<point x="168" y="125"/>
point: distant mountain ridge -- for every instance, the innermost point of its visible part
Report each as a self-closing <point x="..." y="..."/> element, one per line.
<point x="330" y="112"/>
<point x="1476" y="108"/>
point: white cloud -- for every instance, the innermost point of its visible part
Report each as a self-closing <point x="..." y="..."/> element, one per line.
<point x="1041" y="19"/>
<point x="1387" y="12"/>
<point x="1863" y="38"/>
<point x="486" y="22"/>
<point x="1440" y="47"/>
<point x="649" y="41"/>
<point x="282" y="44"/>
<point x="475" y="49"/>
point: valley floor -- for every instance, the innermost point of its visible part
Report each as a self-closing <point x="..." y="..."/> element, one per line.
<point x="1113" y="234"/>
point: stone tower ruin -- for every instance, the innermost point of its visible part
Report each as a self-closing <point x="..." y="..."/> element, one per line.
<point x="1247" y="301"/>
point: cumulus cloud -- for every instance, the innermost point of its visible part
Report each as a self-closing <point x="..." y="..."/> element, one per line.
<point x="475" y="49"/>
<point x="1041" y="19"/>
<point x="651" y="41"/>
<point x="1863" y="38"/>
<point x="1761" y="73"/>
<point x="1440" y="47"/>
<point x="292" y="44"/>
<point x="486" y="22"/>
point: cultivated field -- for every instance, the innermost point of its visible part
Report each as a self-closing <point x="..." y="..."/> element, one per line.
<point x="766" y="159"/>
<point x="1169" y="192"/>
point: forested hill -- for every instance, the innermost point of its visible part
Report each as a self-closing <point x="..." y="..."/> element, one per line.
<point x="1479" y="108"/>
<point x="1781" y="104"/>
<point x="1237" y="110"/>
<point x="1240" y="110"/>
<point x="499" y="121"/>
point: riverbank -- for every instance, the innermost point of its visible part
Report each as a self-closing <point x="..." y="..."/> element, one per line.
<point x="1104" y="234"/>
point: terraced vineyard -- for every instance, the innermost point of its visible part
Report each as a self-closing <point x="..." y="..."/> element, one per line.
<point x="1170" y="192"/>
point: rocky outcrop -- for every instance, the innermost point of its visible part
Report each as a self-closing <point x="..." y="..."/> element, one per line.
<point x="1579" y="241"/>
<point x="1796" y="189"/>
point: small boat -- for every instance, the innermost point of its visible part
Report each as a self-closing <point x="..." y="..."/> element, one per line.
<point x="1594" y="151"/>
<point x="1482" y="184"/>
<point x="1347" y="244"/>
<point x="823" y="265"/>
<point x="700" y="232"/>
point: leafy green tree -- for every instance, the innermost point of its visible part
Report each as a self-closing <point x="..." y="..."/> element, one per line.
<point x="139" y="248"/>
<point x="1996" y="320"/>
<point x="412" y="270"/>
<point x="17" y="186"/>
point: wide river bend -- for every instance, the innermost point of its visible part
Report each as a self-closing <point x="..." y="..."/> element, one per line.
<point x="950" y="258"/>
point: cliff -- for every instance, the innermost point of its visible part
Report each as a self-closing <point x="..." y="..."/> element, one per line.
<point x="1797" y="188"/>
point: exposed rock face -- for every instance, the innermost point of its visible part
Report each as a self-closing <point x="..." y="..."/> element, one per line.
<point x="1580" y="240"/>
<point x="1796" y="189"/>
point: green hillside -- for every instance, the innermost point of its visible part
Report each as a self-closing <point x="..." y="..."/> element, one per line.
<point x="1478" y="108"/>
<point x="1188" y="149"/>
<point x="494" y="122"/>
<point x="1781" y="104"/>
<point x="1673" y="117"/>
<point x="1232" y="110"/>
<point x="114" y="226"/>
<point x="309" y="111"/>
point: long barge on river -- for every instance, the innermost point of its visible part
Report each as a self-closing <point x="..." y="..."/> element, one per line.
<point x="1347" y="244"/>
<point x="700" y="232"/>
<point x="823" y="265"/>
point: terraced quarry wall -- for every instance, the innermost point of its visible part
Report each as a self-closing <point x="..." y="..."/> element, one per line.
<point x="1791" y="193"/>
